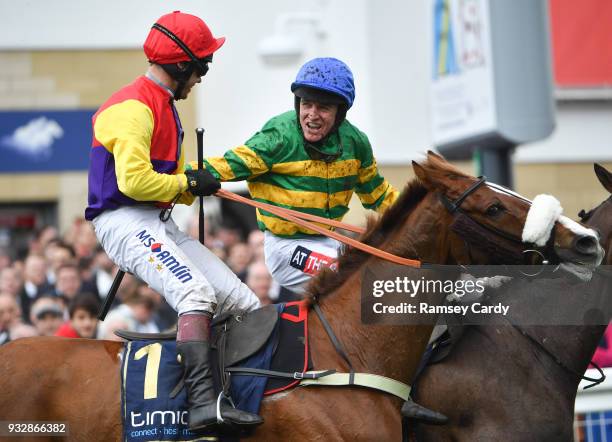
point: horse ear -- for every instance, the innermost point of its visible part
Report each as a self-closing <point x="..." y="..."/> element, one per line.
<point x="605" y="177"/>
<point x="431" y="153"/>
<point x="430" y="177"/>
<point x="419" y="172"/>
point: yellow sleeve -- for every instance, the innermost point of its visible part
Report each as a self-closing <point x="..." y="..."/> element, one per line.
<point x="125" y="130"/>
<point x="373" y="190"/>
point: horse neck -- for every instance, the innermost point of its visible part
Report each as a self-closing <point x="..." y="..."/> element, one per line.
<point x="392" y="351"/>
<point x="572" y="345"/>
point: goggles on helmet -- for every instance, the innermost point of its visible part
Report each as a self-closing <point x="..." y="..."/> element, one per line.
<point x="200" y="64"/>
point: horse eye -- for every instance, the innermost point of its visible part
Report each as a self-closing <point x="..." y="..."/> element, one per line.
<point x="494" y="209"/>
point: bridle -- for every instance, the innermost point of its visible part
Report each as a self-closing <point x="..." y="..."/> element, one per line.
<point x="454" y="206"/>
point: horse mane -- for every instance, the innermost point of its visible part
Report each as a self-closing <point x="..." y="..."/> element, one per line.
<point x="378" y="229"/>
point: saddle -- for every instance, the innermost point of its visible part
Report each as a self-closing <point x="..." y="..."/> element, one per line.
<point x="236" y="335"/>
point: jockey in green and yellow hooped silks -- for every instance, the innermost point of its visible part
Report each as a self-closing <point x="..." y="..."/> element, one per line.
<point x="136" y="169"/>
<point x="310" y="159"/>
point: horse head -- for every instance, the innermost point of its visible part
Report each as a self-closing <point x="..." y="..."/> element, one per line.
<point x="484" y="223"/>
<point x="600" y="218"/>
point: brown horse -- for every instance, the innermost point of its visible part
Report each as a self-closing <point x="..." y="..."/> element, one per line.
<point x="78" y="380"/>
<point x="499" y="384"/>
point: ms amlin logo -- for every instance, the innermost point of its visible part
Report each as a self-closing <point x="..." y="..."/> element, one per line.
<point x="181" y="272"/>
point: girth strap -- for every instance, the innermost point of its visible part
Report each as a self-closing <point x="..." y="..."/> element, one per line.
<point x="248" y="371"/>
<point x="367" y="380"/>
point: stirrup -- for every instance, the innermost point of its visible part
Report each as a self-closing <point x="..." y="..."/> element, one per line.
<point x="220" y="398"/>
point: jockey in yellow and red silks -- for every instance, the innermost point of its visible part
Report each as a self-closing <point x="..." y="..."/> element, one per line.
<point x="136" y="168"/>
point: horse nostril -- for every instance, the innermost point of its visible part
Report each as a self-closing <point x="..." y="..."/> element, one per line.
<point x="586" y="245"/>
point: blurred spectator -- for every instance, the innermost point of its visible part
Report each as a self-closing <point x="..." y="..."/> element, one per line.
<point x="4" y="335"/>
<point x="11" y="324"/>
<point x="128" y="288"/>
<point x="83" y="310"/>
<point x="104" y="271"/>
<point x="5" y="258"/>
<point x="260" y="281"/>
<point x="68" y="282"/>
<point x="136" y="312"/>
<point x="193" y="230"/>
<point x="220" y="253"/>
<point x="35" y="282"/>
<point x="164" y="316"/>
<point x="9" y="316"/>
<point x="22" y="330"/>
<point x="47" y="315"/>
<point x="228" y="236"/>
<point x="86" y="275"/>
<point x="57" y="254"/>
<point x="10" y="281"/>
<point x="109" y="326"/>
<point x="256" y="243"/>
<point x="238" y="259"/>
<point x="85" y="243"/>
<point x="40" y="240"/>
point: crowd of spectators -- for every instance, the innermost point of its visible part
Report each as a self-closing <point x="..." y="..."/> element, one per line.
<point x="56" y="286"/>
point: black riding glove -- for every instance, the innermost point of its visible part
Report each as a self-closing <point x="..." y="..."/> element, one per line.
<point x="201" y="182"/>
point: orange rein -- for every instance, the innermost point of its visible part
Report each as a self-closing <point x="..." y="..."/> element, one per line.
<point x="305" y="220"/>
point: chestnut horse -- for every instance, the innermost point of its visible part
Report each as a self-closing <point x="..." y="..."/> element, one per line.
<point x="78" y="380"/>
<point x="498" y="384"/>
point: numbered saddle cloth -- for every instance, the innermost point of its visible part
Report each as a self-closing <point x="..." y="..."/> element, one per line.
<point x="150" y="372"/>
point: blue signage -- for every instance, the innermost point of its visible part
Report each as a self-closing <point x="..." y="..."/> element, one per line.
<point x="45" y="141"/>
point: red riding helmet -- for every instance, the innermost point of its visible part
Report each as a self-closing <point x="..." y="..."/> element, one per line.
<point x="191" y="30"/>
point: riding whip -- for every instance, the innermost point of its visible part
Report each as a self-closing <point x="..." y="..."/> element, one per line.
<point x="111" y="295"/>
<point x="200" y="138"/>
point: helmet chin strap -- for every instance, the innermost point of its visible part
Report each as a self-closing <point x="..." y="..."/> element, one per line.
<point x="180" y="76"/>
<point x="178" y="93"/>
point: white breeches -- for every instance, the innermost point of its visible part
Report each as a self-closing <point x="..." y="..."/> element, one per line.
<point x="293" y="262"/>
<point x="186" y="273"/>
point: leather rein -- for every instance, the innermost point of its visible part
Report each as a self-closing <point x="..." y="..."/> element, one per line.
<point x="307" y="220"/>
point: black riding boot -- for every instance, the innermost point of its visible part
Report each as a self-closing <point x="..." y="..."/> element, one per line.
<point x="194" y="351"/>
<point x="412" y="410"/>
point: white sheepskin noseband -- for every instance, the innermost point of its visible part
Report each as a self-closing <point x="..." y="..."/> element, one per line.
<point x="545" y="211"/>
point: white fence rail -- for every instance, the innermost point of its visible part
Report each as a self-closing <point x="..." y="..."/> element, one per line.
<point x="598" y="398"/>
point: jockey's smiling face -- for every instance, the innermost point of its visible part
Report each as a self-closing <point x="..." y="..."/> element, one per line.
<point x="316" y="119"/>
